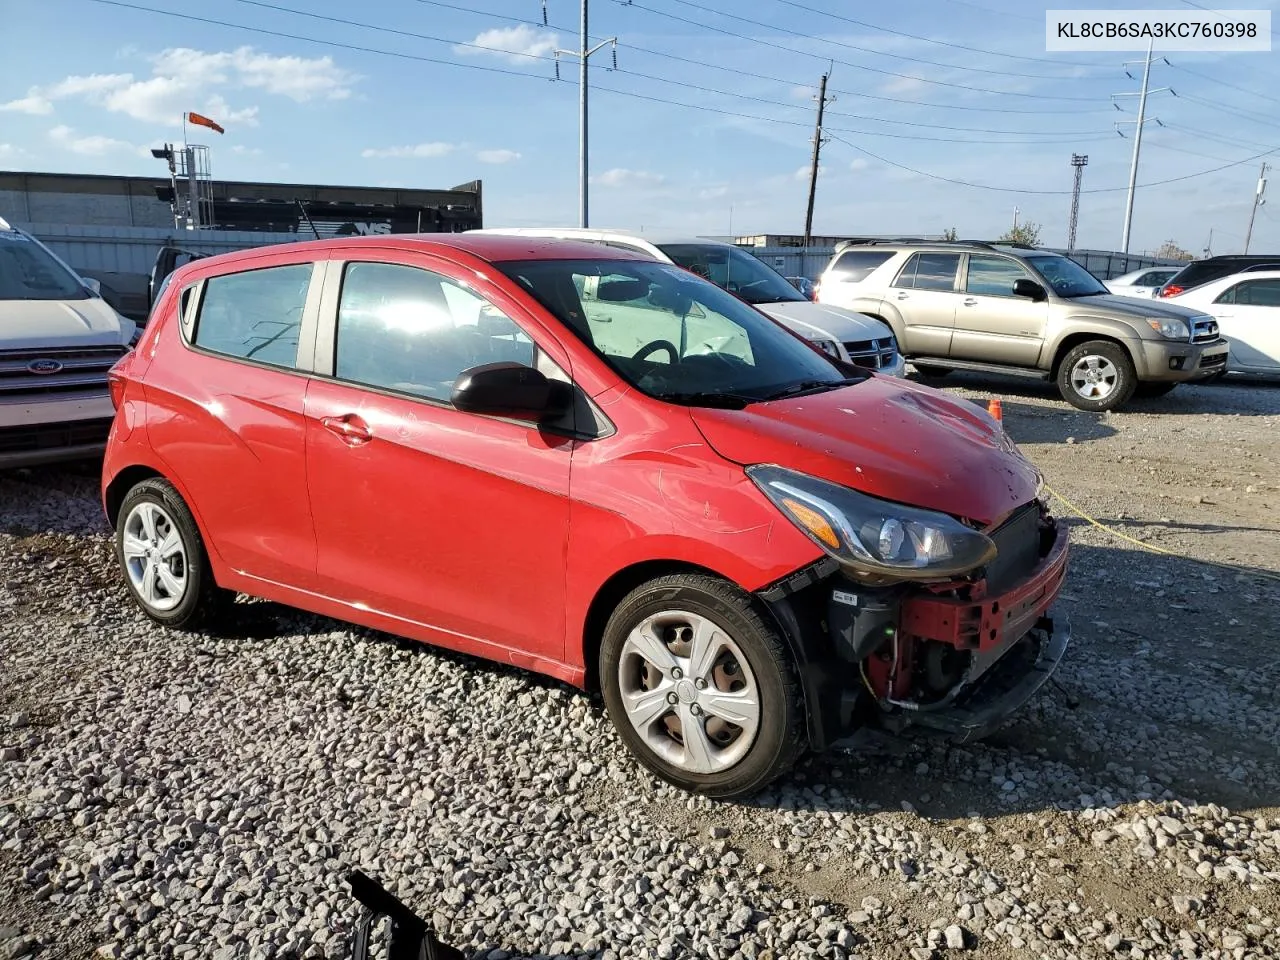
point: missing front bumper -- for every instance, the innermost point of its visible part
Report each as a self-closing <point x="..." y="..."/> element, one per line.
<point x="1002" y="690"/>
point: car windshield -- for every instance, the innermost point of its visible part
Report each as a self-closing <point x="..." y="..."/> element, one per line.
<point x="736" y="270"/>
<point x="1066" y="277"/>
<point x="674" y="336"/>
<point x="30" y="272"/>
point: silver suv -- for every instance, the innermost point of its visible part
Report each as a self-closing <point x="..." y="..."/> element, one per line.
<point x="1014" y="309"/>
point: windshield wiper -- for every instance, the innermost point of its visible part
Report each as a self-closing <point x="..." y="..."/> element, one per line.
<point x="811" y="386"/>
<point x="711" y="398"/>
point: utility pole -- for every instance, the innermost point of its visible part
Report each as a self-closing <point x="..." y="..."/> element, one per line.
<point x="1016" y="211"/>
<point x="1078" y="161"/>
<point x="583" y="56"/>
<point x="1137" y="136"/>
<point x="1258" y="200"/>
<point x="817" y="149"/>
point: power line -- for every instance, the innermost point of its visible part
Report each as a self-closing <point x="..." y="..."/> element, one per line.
<point x="847" y="63"/>
<point x="1221" y="108"/>
<point x="1057" y="135"/>
<point x="1224" y="83"/>
<point x="941" y="43"/>
<point x="987" y="186"/>
<point x="856" y="47"/>
<point x="751" y="74"/>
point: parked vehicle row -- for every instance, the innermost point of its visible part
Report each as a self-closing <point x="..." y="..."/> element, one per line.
<point x="587" y="462"/>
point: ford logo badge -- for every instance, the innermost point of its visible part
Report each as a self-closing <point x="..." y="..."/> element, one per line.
<point x="43" y="368"/>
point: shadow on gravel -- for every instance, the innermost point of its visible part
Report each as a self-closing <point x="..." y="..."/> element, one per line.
<point x="1233" y="396"/>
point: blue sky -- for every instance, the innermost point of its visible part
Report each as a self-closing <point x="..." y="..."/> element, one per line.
<point x="465" y="89"/>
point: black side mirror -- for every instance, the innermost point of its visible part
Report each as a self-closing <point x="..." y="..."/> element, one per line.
<point x="511" y="389"/>
<point x="1023" y="287"/>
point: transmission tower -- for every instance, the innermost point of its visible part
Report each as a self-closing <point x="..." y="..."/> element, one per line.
<point x="1078" y="161"/>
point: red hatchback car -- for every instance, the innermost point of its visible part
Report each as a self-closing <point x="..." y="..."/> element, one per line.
<point x="593" y="466"/>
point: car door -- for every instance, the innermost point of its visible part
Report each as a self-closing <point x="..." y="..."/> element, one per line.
<point x="992" y="324"/>
<point x="454" y="521"/>
<point x="225" y="413"/>
<point x="924" y="296"/>
<point x="1248" y="315"/>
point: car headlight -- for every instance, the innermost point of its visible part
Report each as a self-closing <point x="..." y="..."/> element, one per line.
<point x="870" y="535"/>
<point x="827" y="346"/>
<point x="1171" y="328"/>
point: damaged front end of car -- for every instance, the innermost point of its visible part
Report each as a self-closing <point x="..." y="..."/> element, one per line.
<point x="917" y="619"/>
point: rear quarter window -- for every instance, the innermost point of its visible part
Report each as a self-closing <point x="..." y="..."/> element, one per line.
<point x="856" y="265"/>
<point x="255" y="315"/>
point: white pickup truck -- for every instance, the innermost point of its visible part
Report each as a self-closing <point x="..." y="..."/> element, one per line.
<point x="58" y="339"/>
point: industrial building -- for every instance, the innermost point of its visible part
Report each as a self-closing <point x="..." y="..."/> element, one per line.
<point x="111" y="228"/>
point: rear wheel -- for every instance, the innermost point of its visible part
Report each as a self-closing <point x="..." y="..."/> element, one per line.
<point x="1097" y="376"/>
<point x="701" y="686"/>
<point x="1153" y="389"/>
<point x="162" y="555"/>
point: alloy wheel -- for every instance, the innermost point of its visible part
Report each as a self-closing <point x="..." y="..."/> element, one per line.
<point x="1094" y="377"/>
<point x="155" y="557"/>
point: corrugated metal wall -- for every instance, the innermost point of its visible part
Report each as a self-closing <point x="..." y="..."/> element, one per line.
<point x="133" y="249"/>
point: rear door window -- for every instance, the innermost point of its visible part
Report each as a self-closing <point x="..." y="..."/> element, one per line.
<point x="1257" y="293"/>
<point x="930" y="271"/>
<point x="856" y="265"/>
<point x="255" y="315"/>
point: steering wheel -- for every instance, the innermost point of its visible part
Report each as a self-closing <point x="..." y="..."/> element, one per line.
<point x="653" y="345"/>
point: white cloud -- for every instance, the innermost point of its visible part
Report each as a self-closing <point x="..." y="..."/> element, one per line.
<point x="185" y="79"/>
<point x="243" y="151"/>
<point x="803" y="172"/>
<point x="620" y="177"/>
<point x="417" y="150"/>
<point x="94" y="145"/>
<point x="712" y="193"/>
<point x="513" y="44"/>
<point x="859" y="163"/>
<point x="34" y="103"/>
<point x="804" y="93"/>
<point x="497" y="156"/>
<point x="9" y="151"/>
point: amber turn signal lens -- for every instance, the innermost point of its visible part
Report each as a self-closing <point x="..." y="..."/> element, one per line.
<point x="813" y="521"/>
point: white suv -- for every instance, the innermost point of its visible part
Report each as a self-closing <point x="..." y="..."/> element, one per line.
<point x="58" y="339"/>
<point x="850" y="336"/>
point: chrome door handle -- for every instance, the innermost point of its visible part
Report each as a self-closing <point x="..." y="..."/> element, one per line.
<point x="970" y="301"/>
<point x="350" y="429"/>
<point x="903" y="295"/>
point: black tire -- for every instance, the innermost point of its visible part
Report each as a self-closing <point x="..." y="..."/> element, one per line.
<point x="1110" y="356"/>
<point x="202" y="600"/>
<point x="931" y="372"/>
<point x="1153" y="388"/>
<point x="779" y="737"/>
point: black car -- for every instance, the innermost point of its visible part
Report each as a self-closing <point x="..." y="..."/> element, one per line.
<point x="1215" y="268"/>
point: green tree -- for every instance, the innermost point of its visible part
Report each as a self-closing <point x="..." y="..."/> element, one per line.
<point x="1170" y="250"/>
<point x="1028" y="233"/>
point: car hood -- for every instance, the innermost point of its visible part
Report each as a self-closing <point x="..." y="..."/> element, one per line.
<point x="809" y="319"/>
<point x="886" y="437"/>
<point x="38" y="324"/>
<point x="1133" y="308"/>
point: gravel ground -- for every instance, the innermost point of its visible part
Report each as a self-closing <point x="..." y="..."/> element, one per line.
<point x="202" y="795"/>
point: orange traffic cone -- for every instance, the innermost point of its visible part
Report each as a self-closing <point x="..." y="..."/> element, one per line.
<point x="995" y="409"/>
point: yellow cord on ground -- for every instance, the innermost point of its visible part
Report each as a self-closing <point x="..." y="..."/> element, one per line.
<point x="1154" y="549"/>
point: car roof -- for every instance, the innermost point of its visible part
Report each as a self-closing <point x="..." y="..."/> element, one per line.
<point x="494" y="248"/>
<point x="1013" y="249"/>
<point x="654" y="238"/>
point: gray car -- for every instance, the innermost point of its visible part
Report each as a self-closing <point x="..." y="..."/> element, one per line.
<point x="1012" y="309"/>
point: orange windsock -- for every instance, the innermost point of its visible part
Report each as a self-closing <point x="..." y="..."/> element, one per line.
<point x="203" y="121"/>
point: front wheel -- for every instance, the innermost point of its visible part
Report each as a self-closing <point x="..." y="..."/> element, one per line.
<point x="1097" y="376"/>
<point x="701" y="686"/>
